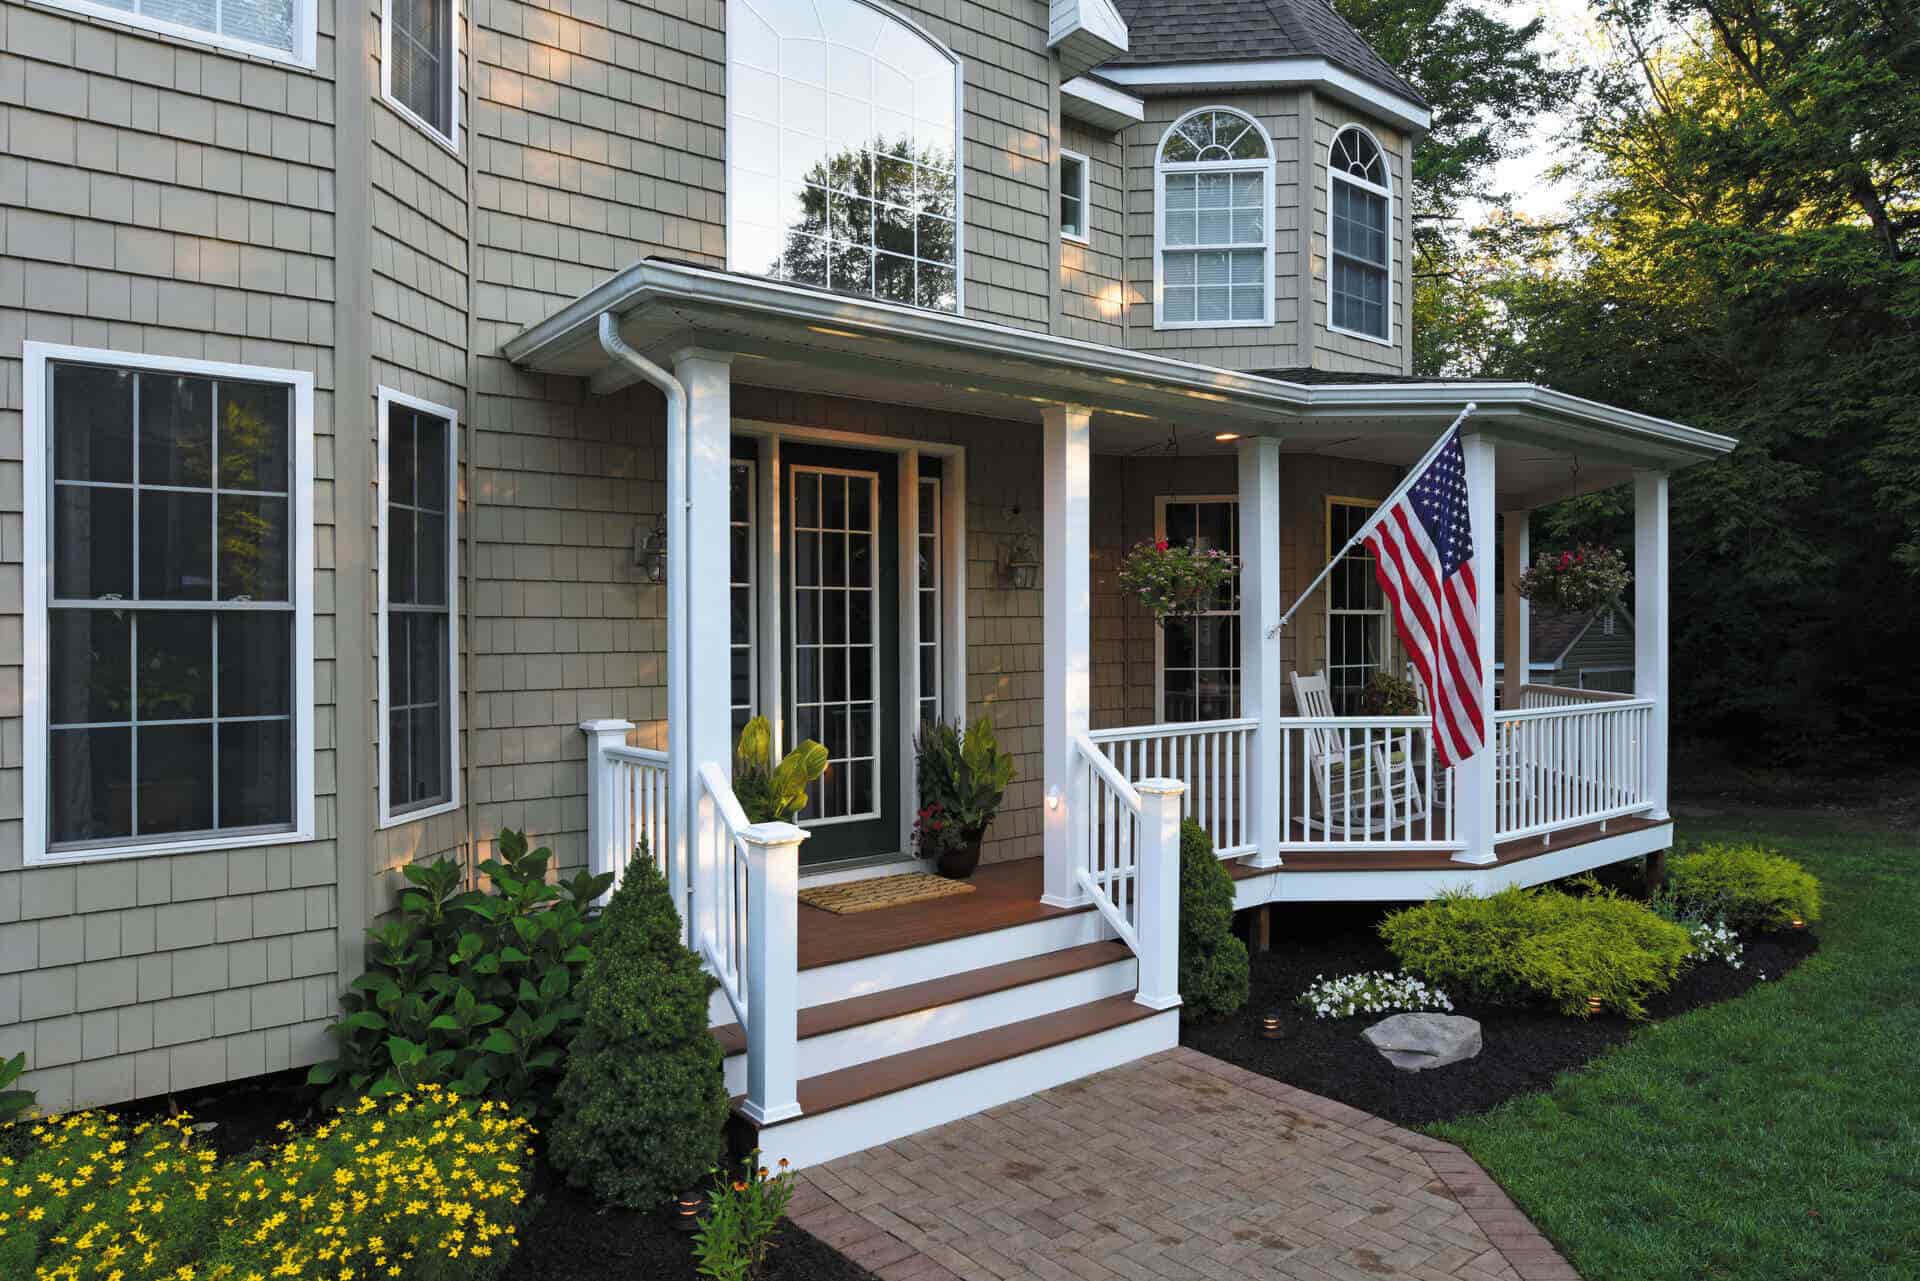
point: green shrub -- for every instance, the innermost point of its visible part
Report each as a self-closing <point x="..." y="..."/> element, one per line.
<point x="473" y="990"/>
<point x="643" y="1103"/>
<point x="1542" y="944"/>
<point x="1748" y="887"/>
<point x="1213" y="963"/>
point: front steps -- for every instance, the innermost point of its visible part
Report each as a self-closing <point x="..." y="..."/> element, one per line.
<point x="903" y="1041"/>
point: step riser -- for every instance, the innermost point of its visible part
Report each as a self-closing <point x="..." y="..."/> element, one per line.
<point x="955" y="956"/>
<point x="850" y="1046"/>
<point x="810" y="1140"/>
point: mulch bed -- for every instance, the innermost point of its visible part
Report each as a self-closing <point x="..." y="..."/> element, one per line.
<point x="1523" y="1047"/>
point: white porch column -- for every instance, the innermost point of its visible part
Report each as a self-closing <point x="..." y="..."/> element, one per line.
<point x="1517" y="621"/>
<point x="1475" y="778"/>
<point x="1651" y="549"/>
<point x="773" y="971"/>
<point x="1260" y="606"/>
<point x="1067" y="552"/>
<point x="1157" y="923"/>
<point x="706" y="629"/>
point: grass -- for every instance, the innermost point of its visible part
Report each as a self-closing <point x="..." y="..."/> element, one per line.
<point x="1774" y="1136"/>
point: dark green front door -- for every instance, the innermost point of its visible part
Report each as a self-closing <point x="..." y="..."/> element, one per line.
<point x="840" y="561"/>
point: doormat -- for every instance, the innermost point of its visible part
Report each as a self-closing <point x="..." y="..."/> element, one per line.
<point x="877" y="892"/>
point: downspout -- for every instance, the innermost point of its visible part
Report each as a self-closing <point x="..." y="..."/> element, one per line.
<point x="679" y="766"/>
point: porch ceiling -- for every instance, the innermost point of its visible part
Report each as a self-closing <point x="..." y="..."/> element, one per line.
<point x="799" y="339"/>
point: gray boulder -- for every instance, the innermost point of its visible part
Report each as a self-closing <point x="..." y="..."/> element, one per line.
<point x="1416" y="1042"/>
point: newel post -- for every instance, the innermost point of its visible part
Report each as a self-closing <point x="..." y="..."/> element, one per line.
<point x="773" y="971"/>
<point x="1157" y="926"/>
<point x="603" y="820"/>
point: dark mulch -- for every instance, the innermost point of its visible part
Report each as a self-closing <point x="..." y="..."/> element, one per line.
<point x="1523" y="1047"/>
<point x="572" y="1237"/>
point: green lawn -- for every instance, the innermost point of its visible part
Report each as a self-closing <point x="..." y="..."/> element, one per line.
<point x="1774" y="1136"/>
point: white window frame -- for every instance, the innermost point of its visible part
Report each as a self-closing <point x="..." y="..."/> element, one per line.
<point x="1161" y="168"/>
<point x="1383" y="617"/>
<point x="450" y="139"/>
<point x="301" y="55"/>
<point x="1160" y="504"/>
<point x="390" y="816"/>
<point x="751" y="583"/>
<point x="37" y="573"/>
<point x="1386" y="164"/>
<point x="1084" y="195"/>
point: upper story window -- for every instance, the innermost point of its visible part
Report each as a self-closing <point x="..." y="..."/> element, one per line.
<point x="419" y="58"/>
<point x="1214" y="229"/>
<point x="169" y="604"/>
<point x="1073" y="195"/>
<point x="843" y="143"/>
<point x="279" y="29"/>
<point x="1359" y="213"/>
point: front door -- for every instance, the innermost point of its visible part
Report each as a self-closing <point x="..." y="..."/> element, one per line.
<point x="841" y="642"/>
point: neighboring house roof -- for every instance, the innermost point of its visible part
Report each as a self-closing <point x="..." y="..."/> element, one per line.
<point x="1174" y="31"/>
<point x="1550" y="633"/>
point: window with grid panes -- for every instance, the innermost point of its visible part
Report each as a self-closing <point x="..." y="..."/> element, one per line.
<point x="1356" y="611"/>
<point x="1215" y="222"/>
<point x="1200" y="655"/>
<point x="416" y="510"/>
<point x="1359" y="217"/>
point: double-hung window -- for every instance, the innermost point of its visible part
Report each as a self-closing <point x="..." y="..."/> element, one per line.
<point x="1073" y="196"/>
<point x="1357" y="637"/>
<point x="1199" y="654"/>
<point x="1359" y="214"/>
<point x="1214" y="223"/>
<point x="282" y="30"/>
<point x="419" y="678"/>
<point x="419" y="66"/>
<point x="169" y="626"/>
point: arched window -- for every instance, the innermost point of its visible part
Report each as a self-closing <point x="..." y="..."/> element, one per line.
<point x="1213" y="234"/>
<point x="1359" y="216"/>
<point x="843" y="141"/>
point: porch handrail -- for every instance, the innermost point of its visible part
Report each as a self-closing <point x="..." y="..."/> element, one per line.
<point x="1580" y="762"/>
<point x="627" y="805"/>
<point x="1532" y="696"/>
<point x="1363" y="784"/>
<point x="1126" y="849"/>
<point x="1211" y="757"/>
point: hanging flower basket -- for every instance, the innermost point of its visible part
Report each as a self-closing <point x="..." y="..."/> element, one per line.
<point x="1576" y="581"/>
<point x="1176" y="582"/>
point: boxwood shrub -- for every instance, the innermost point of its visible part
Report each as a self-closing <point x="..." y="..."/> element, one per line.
<point x="1748" y="887"/>
<point x="1213" y="961"/>
<point x="1522" y="945"/>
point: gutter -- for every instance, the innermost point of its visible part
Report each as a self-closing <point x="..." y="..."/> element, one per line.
<point x="679" y="771"/>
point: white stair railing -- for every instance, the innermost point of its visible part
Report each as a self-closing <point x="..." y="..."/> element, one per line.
<point x="1126" y="847"/>
<point x="1580" y="761"/>
<point x="1210" y="757"/>
<point x="627" y="804"/>
<point x="1363" y="783"/>
<point x="747" y="903"/>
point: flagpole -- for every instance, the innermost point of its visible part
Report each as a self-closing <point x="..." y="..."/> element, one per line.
<point x="1413" y="473"/>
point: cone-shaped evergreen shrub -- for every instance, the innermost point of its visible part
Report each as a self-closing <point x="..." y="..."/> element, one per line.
<point x="1213" y="963"/>
<point x="643" y="1101"/>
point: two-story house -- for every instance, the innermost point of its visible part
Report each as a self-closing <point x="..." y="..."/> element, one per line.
<point x="395" y="391"/>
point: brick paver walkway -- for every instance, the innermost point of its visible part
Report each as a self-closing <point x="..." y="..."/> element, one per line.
<point x="1178" y="1166"/>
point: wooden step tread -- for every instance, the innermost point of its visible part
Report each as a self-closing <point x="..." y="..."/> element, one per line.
<point x="857" y="1011"/>
<point x="848" y="1086"/>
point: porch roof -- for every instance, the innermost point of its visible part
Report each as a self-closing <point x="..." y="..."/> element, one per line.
<point x="804" y="339"/>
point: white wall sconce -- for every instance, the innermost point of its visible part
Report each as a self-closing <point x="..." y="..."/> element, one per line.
<point x="650" y="550"/>
<point x="1020" y="555"/>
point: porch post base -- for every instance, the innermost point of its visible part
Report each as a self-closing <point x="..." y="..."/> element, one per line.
<point x="1158" y="1002"/>
<point x="1262" y="861"/>
<point x="1060" y="900"/>
<point x="1476" y="858"/>
<point x="770" y="1115"/>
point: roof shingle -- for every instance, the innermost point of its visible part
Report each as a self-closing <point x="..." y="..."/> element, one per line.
<point x="1162" y="31"/>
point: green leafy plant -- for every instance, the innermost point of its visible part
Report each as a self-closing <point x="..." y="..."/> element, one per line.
<point x="733" y="1241"/>
<point x="1523" y="945"/>
<point x="963" y="776"/>
<point x="1390" y="695"/>
<point x="771" y="793"/>
<point x="13" y="1103"/>
<point x="1576" y="581"/>
<point x="1747" y="886"/>
<point x="1213" y="962"/>
<point x="470" y="989"/>
<point x="1174" y="581"/>
<point x="643" y="1102"/>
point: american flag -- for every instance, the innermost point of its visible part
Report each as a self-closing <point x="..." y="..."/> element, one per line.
<point x="1422" y="545"/>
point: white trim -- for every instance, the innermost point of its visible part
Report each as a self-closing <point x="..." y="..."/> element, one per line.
<point x="1160" y="502"/>
<point x="1383" y="617"/>
<point x="450" y="139"/>
<point x="300" y="56"/>
<point x="1386" y="164"/>
<point x="1336" y="81"/>
<point x="1101" y="105"/>
<point x="1084" y="196"/>
<point x="37" y="479"/>
<point x="1269" y="201"/>
<point x="388" y="816"/>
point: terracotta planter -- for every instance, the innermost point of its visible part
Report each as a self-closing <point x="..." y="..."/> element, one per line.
<point x="957" y="864"/>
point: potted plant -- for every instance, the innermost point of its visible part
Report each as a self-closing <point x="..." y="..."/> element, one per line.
<point x="1576" y="581"/>
<point x="1177" y="581"/>
<point x="771" y="793"/>
<point x="1390" y="695"/>
<point x="962" y="780"/>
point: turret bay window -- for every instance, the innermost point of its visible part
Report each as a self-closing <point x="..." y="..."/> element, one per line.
<point x="843" y="145"/>
<point x="168" y="604"/>
<point x="419" y="61"/>
<point x="1214" y="227"/>
<point x="1359" y="218"/>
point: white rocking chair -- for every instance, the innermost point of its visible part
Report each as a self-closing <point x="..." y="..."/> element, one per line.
<point x="1355" y="801"/>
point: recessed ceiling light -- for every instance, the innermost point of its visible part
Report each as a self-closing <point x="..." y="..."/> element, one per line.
<point x="1227" y="435"/>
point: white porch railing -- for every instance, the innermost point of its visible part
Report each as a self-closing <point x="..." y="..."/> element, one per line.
<point x="1356" y="783"/>
<point x="1534" y="697"/>
<point x="1210" y="757"/>
<point x="1570" y="761"/>
<point x="1126" y="849"/>
<point x="627" y="804"/>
